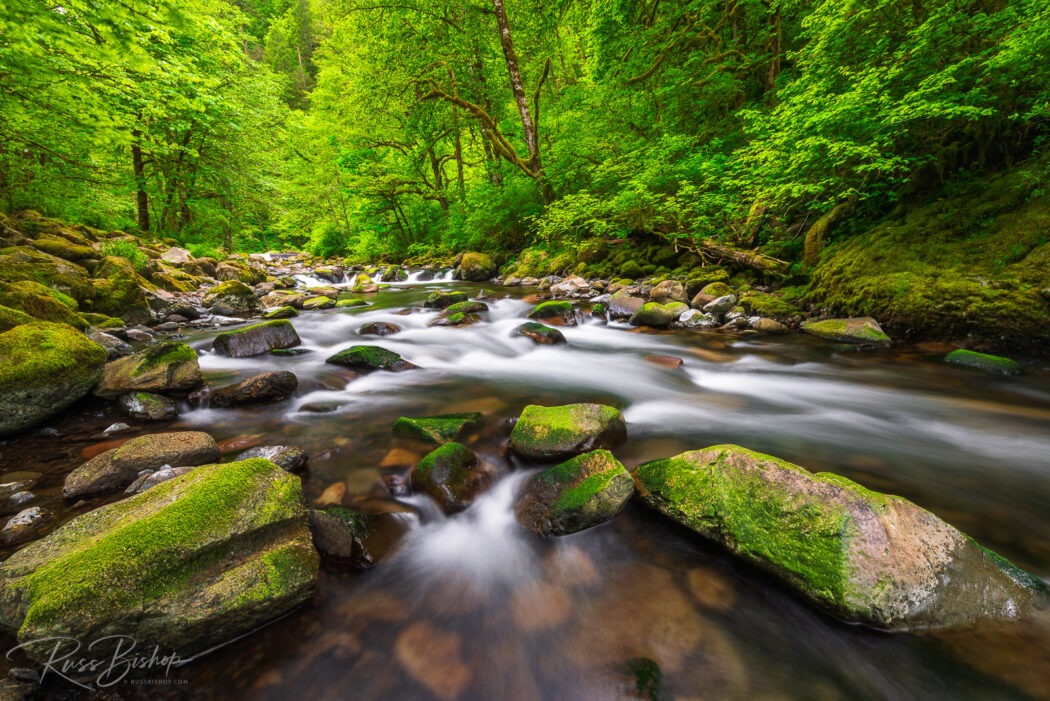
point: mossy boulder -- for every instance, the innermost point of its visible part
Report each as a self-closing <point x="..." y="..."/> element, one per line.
<point x="863" y="330"/>
<point x="230" y="270"/>
<point x="265" y="388"/>
<point x="983" y="361"/>
<point x="10" y="318"/>
<point x="441" y="299"/>
<point x="348" y="538"/>
<point x="632" y="270"/>
<point x="435" y="430"/>
<point x="452" y="475"/>
<point x="41" y="302"/>
<point x="23" y="263"/>
<point x="477" y="267"/>
<point x="121" y="291"/>
<point x="351" y="302"/>
<point x="163" y="368"/>
<point x="65" y="249"/>
<point x="281" y="313"/>
<point x="700" y="278"/>
<point x="119" y="467"/>
<point x="863" y="556"/>
<point x="559" y="432"/>
<point x="231" y="298"/>
<point x="767" y="305"/>
<point x="318" y="302"/>
<point x="623" y="306"/>
<point x="369" y="358"/>
<point x="145" y="406"/>
<point x="257" y="339"/>
<point x="557" y="312"/>
<point x="653" y="314"/>
<point x="189" y="564"/>
<point x="577" y="494"/>
<point x="464" y="308"/>
<point x="669" y="291"/>
<point x="539" y="333"/>
<point x="45" y="368"/>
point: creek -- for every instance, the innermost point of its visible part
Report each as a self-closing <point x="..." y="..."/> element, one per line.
<point x="474" y="607"/>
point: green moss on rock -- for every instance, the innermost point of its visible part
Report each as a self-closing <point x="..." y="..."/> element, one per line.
<point x="860" y="330"/>
<point x="983" y="361"/>
<point x="370" y="358"/>
<point x="41" y="302"/>
<point x="46" y="368"/>
<point x="554" y="433"/>
<point x="10" y="318"/>
<point x="435" y="430"/>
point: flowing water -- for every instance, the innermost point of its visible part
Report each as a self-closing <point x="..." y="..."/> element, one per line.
<point x="473" y="607"/>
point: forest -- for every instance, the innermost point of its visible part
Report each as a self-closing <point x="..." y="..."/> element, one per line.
<point x="376" y="129"/>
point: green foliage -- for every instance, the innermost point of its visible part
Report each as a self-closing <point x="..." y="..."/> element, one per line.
<point x="128" y="250"/>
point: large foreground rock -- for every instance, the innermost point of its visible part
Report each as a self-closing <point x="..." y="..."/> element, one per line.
<point x="43" y="369"/>
<point x="257" y="339"/>
<point x="191" y="563"/>
<point x="355" y="539"/>
<point x="119" y="467"/>
<point x="580" y="493"/>
<point x="477" y="267"/>
<point x="559" y="432"/>
<point x="864" y="556"/>
<point x="165" y="367"/>
<point x="453" y="475"/>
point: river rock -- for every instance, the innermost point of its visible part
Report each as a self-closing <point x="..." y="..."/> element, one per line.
<point x="623" y="306"/>
<point x="558" y="312"/>
<point x="351" y="302"/>
<point x="231" y="298"/>
<point x="369" y="358"/>
<point x="257" y="339"/>
<point x="115" y="347"/>
<point x="119" y="467"/>
<point x="457" y="319"/>
<point x="44" y="368"/>
<point x="165" y="367"/>
<point x="177" y="256"/>
<point x="434" y="659"/>
<point x="767" y="326"/>
<point x="720" y="305"/>
<point x="287" y="457"/>
<point x="435" y="430"/>
<point x="151" y="478"/>
<point x="467" y="307"/>
<point x="983" y="361"/>
<point x="669" y="291"/>
<point x="355" y="539"/>
<point x="145" y="406"/>
<point x="583" y="492"/>
<point x="856" y="330"/>
<point x="265" y="388"/>
<point x="539" y="333"/>
<point x="281" y="313"/>
<point x="26" y="525"/>
<point x="574" y="286"/>
<point x="476" y="267"/>
<point x="379" y="328"/>
<point x="653" y="314"/>
<point x="559" y="432"/>
<point x="865" y="557"/>
<point x="452" y="475"/>
<point x="440" y="299"/>
<point x="318" y="302"/>
<point x="190" y="564"/>
<point x="696" y="319"/>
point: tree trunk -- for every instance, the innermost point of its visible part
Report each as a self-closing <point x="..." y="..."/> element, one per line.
<point x="141" y="198"/>
<point x="516" y="85"/>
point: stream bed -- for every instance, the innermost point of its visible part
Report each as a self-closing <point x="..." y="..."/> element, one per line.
<point x="474" y="607"/>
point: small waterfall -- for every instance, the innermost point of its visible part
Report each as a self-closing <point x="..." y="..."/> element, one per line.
<point x="447" y="277"/>
<point x="378" y="277"/>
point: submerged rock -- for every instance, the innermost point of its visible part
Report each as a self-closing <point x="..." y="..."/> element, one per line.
<point x="44" y="369"/>
<point x="145" y="406"/>
<point x="435" y="430"/>
<point x="368" y="358"/>
<point x="354" y="539"/>
<point x="287" y="457"/>
<point x="856" y="330"/>
<point x="559" y="432"/>
<point x="983" y="361"/>
<point x="257" y="339"/>
<point x="265" y="388"/>
<point x="26" y="525"/>
<point x="379" y="328"/>
<point x="452" y="475"/>
<point x="539" y="333"/>
<point x="168" y="366"/>
<point x="583" y="492"/>
<point x="864" y="556"/>
<point x="119" y="467"/>
<point x="187" y="565"/>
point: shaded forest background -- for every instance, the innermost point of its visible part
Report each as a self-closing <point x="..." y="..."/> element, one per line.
<point x="400" y="128"/>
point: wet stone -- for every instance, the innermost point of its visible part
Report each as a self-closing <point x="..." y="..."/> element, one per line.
<point x="379" y="328"/>
<point x="369" y="358"/>
<point x="435" y="430"/>
<point x="26" y="525"/>
<point x="286" y="457"/>
<point x="266" y="388"/>
<point x="539" y="333"/>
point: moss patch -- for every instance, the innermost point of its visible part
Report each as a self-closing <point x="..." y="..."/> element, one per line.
<point x="983" y="361"/>
<point x="435" y="430"/>
<point x="41" y="302"/>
